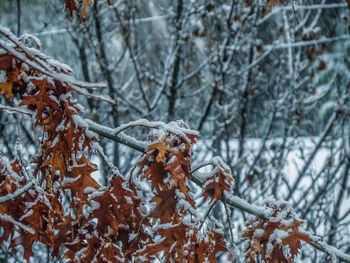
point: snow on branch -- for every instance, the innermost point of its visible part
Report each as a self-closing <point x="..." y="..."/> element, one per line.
<point x="46" y="65"/>
<point x="172" y="127"/>
<point x="277" y="10"/>
<point x="310" y="42"/>
<point x="324" y="247"/>
<point x="121" y="138"/>
<point x="16" y="109"/>
<point x="228" y="198"/>
<point x="16" y="223"/>
<point x="17" y="193"/>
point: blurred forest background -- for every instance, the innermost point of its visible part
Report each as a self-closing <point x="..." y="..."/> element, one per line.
<point x="268" y="89"/>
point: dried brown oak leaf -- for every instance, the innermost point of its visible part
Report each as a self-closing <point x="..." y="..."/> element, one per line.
<point x="12" y="78"/>
<point x="114" y="207"/>
<point x="184" y="243"/>
<point x="267" y="238"/>
<point x="70" y="5"/>
<point x="208" y="247"/>
<point x="81" y="183"/>
<point x="41" y="99"/>
<point x="85" y="4"/>
<point x="215" y="185"/>
<point x="166" y="205"/>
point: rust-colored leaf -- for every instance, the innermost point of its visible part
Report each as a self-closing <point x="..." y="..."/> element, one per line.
<point x="268" y="237"/>
<point x="5" y="62"/>
<point x="80" y="183"/>
<point x="294" y="238"/>
<point x="7" y="89"/>
<point x="70" y="5"/>
<point x="85" y="4"/>
<point x="41" y="100"/>
<point x="166" y="205"/>
<point x="215" y="186"/>
<point x="12" y="77"/>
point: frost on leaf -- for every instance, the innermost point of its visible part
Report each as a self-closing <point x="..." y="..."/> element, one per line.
<point x="26" y="214"/>
<point x="215" y="185"/>
<point x="167" y="165"/>
<point x="268" y="238"/>
<point x="185" y="242"/>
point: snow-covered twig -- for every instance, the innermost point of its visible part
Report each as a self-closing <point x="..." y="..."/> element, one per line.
<point x="15" y="109"/>
<point x="310" y="42"/>
<point x="276" y="10"/>
<point x="216" y="161"/>
<point x="42" y="66"/>
<point x="17" y="193"/>
<point x="171" y="127"/>
<point x="74" y="85"/>
<point x="16" y="223"/>
<point x="324" y="247"/>
<point x="109" y="133"/>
